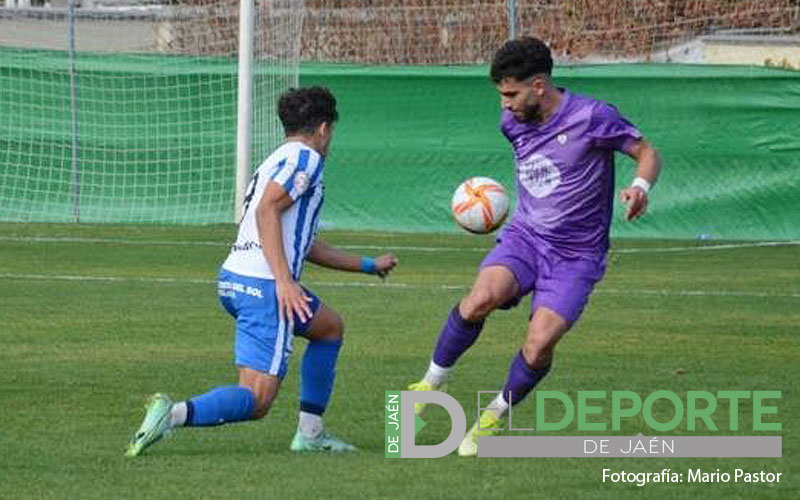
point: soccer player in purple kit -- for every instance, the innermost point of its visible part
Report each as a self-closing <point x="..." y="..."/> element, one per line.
<point x="555" y="246"/>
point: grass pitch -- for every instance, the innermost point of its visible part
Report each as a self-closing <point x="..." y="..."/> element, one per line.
<point x="95" y="318"/>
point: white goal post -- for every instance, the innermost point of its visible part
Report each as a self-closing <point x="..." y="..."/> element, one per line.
<point x="129" y="110"/>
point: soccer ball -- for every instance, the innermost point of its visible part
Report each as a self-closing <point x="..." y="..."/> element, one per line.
<point x="480" y="205"/>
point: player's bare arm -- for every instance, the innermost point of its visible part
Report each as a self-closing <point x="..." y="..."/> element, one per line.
<point x="648" y="167"/>
<point x="291" y="298"/>
<point x="325" y="255"/>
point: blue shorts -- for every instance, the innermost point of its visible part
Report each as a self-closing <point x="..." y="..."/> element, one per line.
<point x="560" y="284"/>
<point x="263" y="342"/>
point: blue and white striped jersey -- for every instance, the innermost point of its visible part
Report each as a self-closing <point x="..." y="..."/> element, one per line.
<point x="298" y="169"/>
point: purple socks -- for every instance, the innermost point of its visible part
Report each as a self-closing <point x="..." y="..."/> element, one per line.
<point x="521" y="379"/>
<point x="456" y="337"/>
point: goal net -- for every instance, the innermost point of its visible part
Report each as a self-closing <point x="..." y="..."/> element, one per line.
<point x="116" y="111"/>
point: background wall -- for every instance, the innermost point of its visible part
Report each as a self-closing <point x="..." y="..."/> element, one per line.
<point x="729" y="136"/>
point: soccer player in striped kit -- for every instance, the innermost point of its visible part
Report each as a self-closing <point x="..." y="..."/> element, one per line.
<point x="555" y="246"/>
<point x="259" y="286"/>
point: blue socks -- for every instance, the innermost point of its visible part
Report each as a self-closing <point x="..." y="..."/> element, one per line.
<point x="317" y="374"/>
<point x="234" y="403"/>
<point x="219" y="406"/>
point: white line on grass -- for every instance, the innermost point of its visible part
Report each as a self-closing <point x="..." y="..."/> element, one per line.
<point x="377" y="284"/>
<point x="699" y="293"/>
<point x="726" y="246"/>
<point x="143" y="279"/>
<point x="75" y="277"/>
<point x="126" y="241"/>
<point x="113" y="241"/>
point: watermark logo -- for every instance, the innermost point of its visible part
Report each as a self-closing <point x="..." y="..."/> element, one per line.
<point x="402" y="424"/>
<point x="590" y="411"/>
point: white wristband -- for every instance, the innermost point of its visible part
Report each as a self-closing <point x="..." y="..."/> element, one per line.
<point x="643" y="184"/>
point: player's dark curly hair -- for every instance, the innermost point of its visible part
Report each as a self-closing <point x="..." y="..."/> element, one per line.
<point x="303" y="110"/>
<point x="521" y="59"/>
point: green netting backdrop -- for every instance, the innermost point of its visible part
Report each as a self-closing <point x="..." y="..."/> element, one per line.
<point x="729" y="137"/>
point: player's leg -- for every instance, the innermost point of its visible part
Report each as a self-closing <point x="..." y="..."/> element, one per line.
<point x="528" y="368"/>
<point x="494" y="287"/>
<point x="260" y="378"/>
<point x="324" y="333"/>
<point x="507" y="274"/>
<point x="221" y="405"/>
<point x="264" y="388"/>
<point x="562" y="292"/>
<point x="532" y="363"/>
<point x="262" y="350"/>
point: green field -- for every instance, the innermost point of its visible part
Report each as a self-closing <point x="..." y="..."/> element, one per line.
<point x="93" y="319"/>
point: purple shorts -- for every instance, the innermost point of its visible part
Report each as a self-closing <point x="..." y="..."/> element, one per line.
<point x="560" y="284"/>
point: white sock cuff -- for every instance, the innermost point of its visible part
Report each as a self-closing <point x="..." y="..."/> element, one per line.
<point x="178" y="414"/>
<point x="499" y="405"/>
<point x="436" y="374"/>
<point x="310" y="424"/>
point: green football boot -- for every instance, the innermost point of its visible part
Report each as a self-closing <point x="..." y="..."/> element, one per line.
<point x="156" y="424"/>
<point x="419" y="408"/>
<point x="322" y="443"/>
<point x="488" y="425"/>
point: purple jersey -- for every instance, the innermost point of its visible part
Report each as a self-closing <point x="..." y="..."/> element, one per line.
<point x="565" y="174"/>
